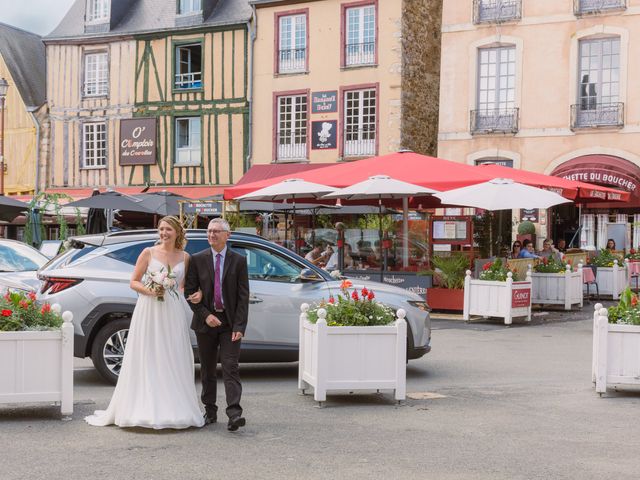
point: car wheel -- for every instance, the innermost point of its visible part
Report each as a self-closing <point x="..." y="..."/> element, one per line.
<point x="108" y="347"/>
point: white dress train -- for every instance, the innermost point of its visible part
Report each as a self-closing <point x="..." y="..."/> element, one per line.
<point x="156" y="387"/>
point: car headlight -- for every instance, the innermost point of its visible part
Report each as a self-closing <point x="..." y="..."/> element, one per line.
<point x="422" y="305"/>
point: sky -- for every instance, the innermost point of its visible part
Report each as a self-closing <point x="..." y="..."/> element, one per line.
<point x="37" y="16"/>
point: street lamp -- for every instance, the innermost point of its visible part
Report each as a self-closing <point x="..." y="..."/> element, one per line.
<point x="4" y="86"/>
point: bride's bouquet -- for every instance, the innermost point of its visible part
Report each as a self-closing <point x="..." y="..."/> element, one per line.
<point x="162" y="281"/>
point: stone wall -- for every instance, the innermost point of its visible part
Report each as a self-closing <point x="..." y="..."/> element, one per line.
<point x="422" y="20"/>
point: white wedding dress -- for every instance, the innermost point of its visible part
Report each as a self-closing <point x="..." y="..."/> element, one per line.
<point x="156" y="387"/>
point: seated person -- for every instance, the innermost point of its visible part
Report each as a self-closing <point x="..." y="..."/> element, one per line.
<point x="316" y="255"/>
<point x="527" y="250"/>
<point x="332" y="263"/>
<point x="515" y="249"/>
<point x="548" y="251"/>
<point x="562" y="245"/>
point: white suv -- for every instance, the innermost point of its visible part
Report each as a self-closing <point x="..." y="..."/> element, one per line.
<point x="92" y="278"/>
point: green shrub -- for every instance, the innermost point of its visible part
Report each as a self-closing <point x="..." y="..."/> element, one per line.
<point x="526" y="228"/>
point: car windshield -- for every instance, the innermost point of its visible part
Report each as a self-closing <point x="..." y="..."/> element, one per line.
<point x="18" y="257"/>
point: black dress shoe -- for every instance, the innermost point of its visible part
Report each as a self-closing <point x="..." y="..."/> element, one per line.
<point x="235" y="423"/>
<point x="210" y="418"/>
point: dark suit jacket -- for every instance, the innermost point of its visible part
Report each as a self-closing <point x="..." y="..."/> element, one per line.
<point x="235" y="289"/>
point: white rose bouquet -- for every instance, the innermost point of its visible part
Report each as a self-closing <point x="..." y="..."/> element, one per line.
<point x="161" y="281"/>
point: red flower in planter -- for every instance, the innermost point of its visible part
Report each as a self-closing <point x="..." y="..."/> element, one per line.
<point x="545" y="260"/>
<point x="634" y="301"/>
<point x="365" y="292"/>
<point x="371" y="296"/>
<point x="332" y="300"/>
<point x="45" y="308"/>
<point x="6" y="313"/>
<point x="486" y="266"/>
<point x="32" y="296"/>
<point x="24" y="304"/>
<point x="345" y="284"/>
<point x="632" y="251"/>
<point x="354" y="295"/>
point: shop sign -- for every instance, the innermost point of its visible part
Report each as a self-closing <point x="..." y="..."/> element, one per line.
<point x="520" y="297"/>
<point x="603" y="177"/>
<point x="530" y="214"/>
<point x="324" y="135"/>
<point x="324" y="102"/>
<point x="503" y="162"/>
<point x="138" y="141"/>
<point x="202" y="208"/>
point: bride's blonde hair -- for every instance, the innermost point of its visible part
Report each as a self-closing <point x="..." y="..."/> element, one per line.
<point x="181" y="234"/>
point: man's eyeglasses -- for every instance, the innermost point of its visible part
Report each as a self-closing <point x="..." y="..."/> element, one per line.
<point x="216" y="232"/>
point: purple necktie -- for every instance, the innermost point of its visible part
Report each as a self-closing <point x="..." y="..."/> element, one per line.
<point x="217" y="285"/>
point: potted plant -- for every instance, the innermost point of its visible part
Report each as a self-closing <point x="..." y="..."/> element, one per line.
<point x="497" y="294"/>
<point x="616" y="343"/>
<point x="36" y="348"/>
<point x="527" y="231"/>
<point x="554" y="281"/>
<point x="611" y="274"/>
<point x="449" y="274"/>
<point x="352" y="342"/>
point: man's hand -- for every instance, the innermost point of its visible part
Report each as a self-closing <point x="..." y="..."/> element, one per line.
<point x="195" y="297"/>
<point x="213" y="321"/>
<point x="235" y="336"/>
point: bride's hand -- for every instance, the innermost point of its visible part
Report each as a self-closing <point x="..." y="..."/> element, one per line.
<point x="195" y="297"/>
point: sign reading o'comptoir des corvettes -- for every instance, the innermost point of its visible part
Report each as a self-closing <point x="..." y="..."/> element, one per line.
<point x="138" y="141"/>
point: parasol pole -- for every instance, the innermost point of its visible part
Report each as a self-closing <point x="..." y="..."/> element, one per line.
<point x="383" y="256"/>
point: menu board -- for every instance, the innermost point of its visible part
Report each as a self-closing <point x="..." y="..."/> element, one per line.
<point x="449" y="230"/>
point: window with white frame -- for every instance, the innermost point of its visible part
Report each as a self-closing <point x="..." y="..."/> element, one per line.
<point x="360" y="122"/>
<point x="96" y="74"/>
<point x="188" y="141"/>
<point x="190" y="6"/>
<point x="292" y="48"/>
<point x="292" y="127"/>
<point x="94" y="149"/>
<point x="360" y="38"/>
<point x="188" y="72"/>
<point x="495" y="108"/>
<point x="97" y="11"/>
<point x="598" y="83"/>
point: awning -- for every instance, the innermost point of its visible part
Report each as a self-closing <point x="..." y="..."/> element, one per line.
<point x="272" y="170"/>
<point x="579" y="191"/>
<point x="411" y="167"/>
<point x="431" y="172"/>
<point x="604" y="171"/>
<point x="192" y="192"/>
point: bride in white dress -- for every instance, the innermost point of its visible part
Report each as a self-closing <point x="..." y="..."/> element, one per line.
<point x="156" y="387"/>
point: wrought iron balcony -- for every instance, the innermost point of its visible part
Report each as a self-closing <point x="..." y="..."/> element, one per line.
<point x="589" y="114"/>
<point x="360" y="53"/>
<point x="359" y="142"/>
<point x="292" y="146"/>
<point x="592" y="7"/>
<point x="292" y="60"/>
<point x="499" y="120"/>
<point x="496" y="11"/>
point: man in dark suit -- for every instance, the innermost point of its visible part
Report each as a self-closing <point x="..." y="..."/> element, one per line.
<point x="220" y="319"/>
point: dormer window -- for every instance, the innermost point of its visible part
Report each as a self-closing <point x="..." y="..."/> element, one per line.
<point x="97" y="11"/>
<point x="190" y="6"/>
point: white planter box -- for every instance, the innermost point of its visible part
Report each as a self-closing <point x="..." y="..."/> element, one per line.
<point x="506" y="300"/>
<point x="352" y="358"/>
<point x="38" y="366"/>
<point x="615" y="347"/>
<point x="612" y="280"/>
<point x="558" y="288"/>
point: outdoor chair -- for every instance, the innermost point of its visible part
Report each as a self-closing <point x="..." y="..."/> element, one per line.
<point x="594" y="269"/>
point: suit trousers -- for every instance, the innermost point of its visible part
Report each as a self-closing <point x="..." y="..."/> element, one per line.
<point x="216" y="340"/>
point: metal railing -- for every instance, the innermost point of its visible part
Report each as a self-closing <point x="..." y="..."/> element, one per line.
<point x="292" y="60"/>
<point x="292" y="146"/>
<point x="188" y="80"/>
<point x="496" y="11"/>
<point x="590" y="114"/>
<point x="359" y="142"/>
<point x="499" y="120"/>
<point x="360" y="53"/>
<point x="586" y="7"/>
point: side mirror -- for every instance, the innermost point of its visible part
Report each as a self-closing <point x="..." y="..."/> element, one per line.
<point x="308" y="275"/>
